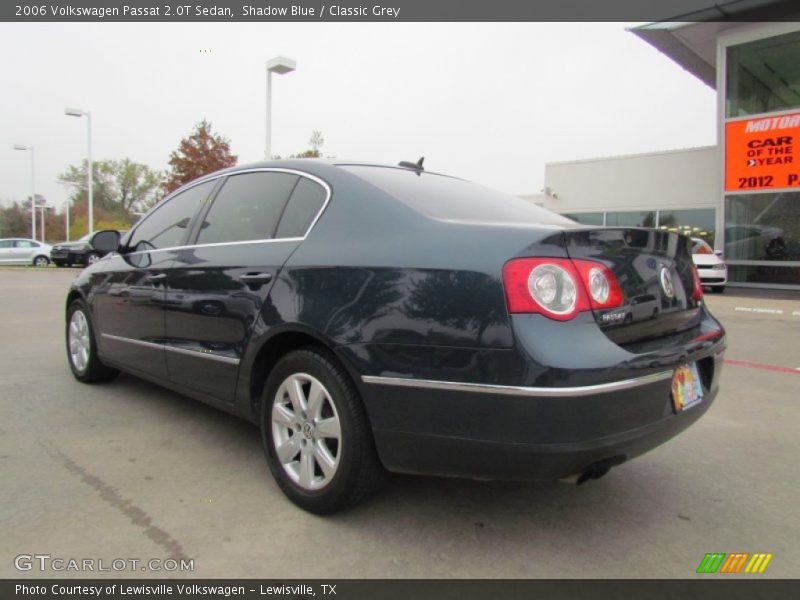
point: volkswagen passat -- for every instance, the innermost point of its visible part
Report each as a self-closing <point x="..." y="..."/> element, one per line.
<point x="372" y="317"/>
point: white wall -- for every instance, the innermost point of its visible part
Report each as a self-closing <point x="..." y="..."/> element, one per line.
<point x="673" y="179"/>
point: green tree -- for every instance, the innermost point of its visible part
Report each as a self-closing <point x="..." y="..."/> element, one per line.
<point x="120" y="189"/>
<point x="201" y="153"/>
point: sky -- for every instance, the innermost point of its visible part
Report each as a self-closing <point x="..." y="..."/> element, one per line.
<point x="490" y="102"/>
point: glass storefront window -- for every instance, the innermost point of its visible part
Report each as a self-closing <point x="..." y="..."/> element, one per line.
<point x="763" y="227"/>
<point x="771" y="274"/>
<point x="763" y="76"/>
<point x="595" y="218"/>
<point x="631" y="219"/>
<point x="697" y="223"/>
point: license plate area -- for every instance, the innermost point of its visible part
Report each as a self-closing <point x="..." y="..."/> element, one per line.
<point x="687" y="387"/>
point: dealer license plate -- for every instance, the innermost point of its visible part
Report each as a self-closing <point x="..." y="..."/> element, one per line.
<point x="687" y="390"/>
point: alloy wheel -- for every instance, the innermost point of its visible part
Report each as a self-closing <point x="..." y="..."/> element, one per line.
<point x="79" y="341"/>
<point x="306" y="431"/>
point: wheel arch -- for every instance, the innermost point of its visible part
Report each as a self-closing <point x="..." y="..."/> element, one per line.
<point x="273" y="348"/>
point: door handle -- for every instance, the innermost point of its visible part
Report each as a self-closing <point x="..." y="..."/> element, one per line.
<point x="157" y="277"/>
<point x="255" y="278"/>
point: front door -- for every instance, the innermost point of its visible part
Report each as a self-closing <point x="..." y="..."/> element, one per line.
<point x="218" y="287"/>
<point x="130" y="286"/>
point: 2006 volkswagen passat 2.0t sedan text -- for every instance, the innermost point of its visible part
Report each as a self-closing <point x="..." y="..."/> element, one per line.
<point x="373" y="318"/>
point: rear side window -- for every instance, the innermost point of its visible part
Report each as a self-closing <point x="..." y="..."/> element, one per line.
<point x="307" y="200"/>
<point x="166" y="226"/>
<point x="25" y="244"/>
<point x="247" y="207"/>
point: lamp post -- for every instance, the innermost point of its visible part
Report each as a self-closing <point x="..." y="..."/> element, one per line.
<point x="33" y="188"/>
<point x="279" y="65"/>
<point x="76" y="112"/>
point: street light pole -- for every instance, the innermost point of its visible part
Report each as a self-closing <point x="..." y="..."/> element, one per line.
<point x="279" y="65"/>
<point x="33" y="187"/>
<point x="76" y="112"/>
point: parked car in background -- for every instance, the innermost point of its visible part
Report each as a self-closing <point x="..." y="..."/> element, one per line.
<point x="79" y="252"/>
<point x="24" y="251"/>
<point x="372" y="317"/>
<point x="712" y="269"/>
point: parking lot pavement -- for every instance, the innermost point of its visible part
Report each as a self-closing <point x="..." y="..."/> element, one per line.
<point x="128" y="470"/>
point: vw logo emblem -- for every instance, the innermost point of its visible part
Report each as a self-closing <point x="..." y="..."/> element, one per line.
<point x="308" y="429"/>
<point x="666" y="283"/>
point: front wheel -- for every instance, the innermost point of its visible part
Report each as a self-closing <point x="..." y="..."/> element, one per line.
<point x="315" y="433"/>
<point x="82" y="347"/>
<point x="41" y="261"/>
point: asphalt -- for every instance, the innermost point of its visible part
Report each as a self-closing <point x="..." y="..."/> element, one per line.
<point x="130" y="471"/>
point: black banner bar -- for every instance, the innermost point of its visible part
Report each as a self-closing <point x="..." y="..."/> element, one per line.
<point x="397" y="10"/>
<point x="710" y="588"/>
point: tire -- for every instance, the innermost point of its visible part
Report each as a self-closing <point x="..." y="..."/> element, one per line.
<point x="60" y="265"/>
<point x="718" y="289"/>
<point x="317" y="470"/>
<point x="90" y="259"/>
<point x="41" y="261"/>
<point x="82" y="347"/>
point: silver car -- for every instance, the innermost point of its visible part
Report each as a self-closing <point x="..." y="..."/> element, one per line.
<point x="22" y="251"/>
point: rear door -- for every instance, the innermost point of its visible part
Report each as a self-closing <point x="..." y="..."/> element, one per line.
<point x="217" y="287"/>
<point x="129" y="291"/>
<point x="23" y="251"/>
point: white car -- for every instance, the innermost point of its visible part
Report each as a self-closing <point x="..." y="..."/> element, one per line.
<point x="23" y="251"/>
<point x="712" y="269"/>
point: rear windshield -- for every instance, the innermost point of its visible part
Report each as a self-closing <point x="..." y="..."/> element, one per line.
<point x="451" y="199"/>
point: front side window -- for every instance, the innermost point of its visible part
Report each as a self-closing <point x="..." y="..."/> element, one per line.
<point x="6" y="244"/>
<point x="166" y="226"/>
<point x="247" y="207"/>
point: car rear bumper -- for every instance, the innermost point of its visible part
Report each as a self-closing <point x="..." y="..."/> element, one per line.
<point x="504" y="435"/>
<point x="595" y="402"/>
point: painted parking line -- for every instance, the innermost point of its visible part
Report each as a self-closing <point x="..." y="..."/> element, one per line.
<point x="752" y="365"/>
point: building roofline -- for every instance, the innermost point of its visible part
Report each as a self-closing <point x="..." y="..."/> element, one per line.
<point x="633" y="155"/>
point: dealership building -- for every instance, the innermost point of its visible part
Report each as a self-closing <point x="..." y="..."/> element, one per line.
<point x="743" y="195"/>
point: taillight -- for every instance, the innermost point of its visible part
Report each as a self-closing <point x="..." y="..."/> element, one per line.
<point x="697" y="292"/>
<point x="559" y="288"/>
<point x="600" y="283"/>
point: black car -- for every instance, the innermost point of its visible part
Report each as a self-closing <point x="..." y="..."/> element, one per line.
<point x="79" y="252"/>
<point x="372" y="317"/>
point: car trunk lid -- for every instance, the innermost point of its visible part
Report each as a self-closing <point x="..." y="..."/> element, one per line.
<point x="654" y="272"/>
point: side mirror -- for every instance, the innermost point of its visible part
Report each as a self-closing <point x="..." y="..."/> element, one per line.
<point x="105" y="241"/>
<point x="718" y="253"/>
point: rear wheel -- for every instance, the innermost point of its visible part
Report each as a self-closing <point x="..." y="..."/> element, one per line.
<point x="41" y="261"/>
<point x="82" y="347"/>
<point x="316" y="435"/>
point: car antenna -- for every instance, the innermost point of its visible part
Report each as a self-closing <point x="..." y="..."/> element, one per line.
<point x="417" y="166"/>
